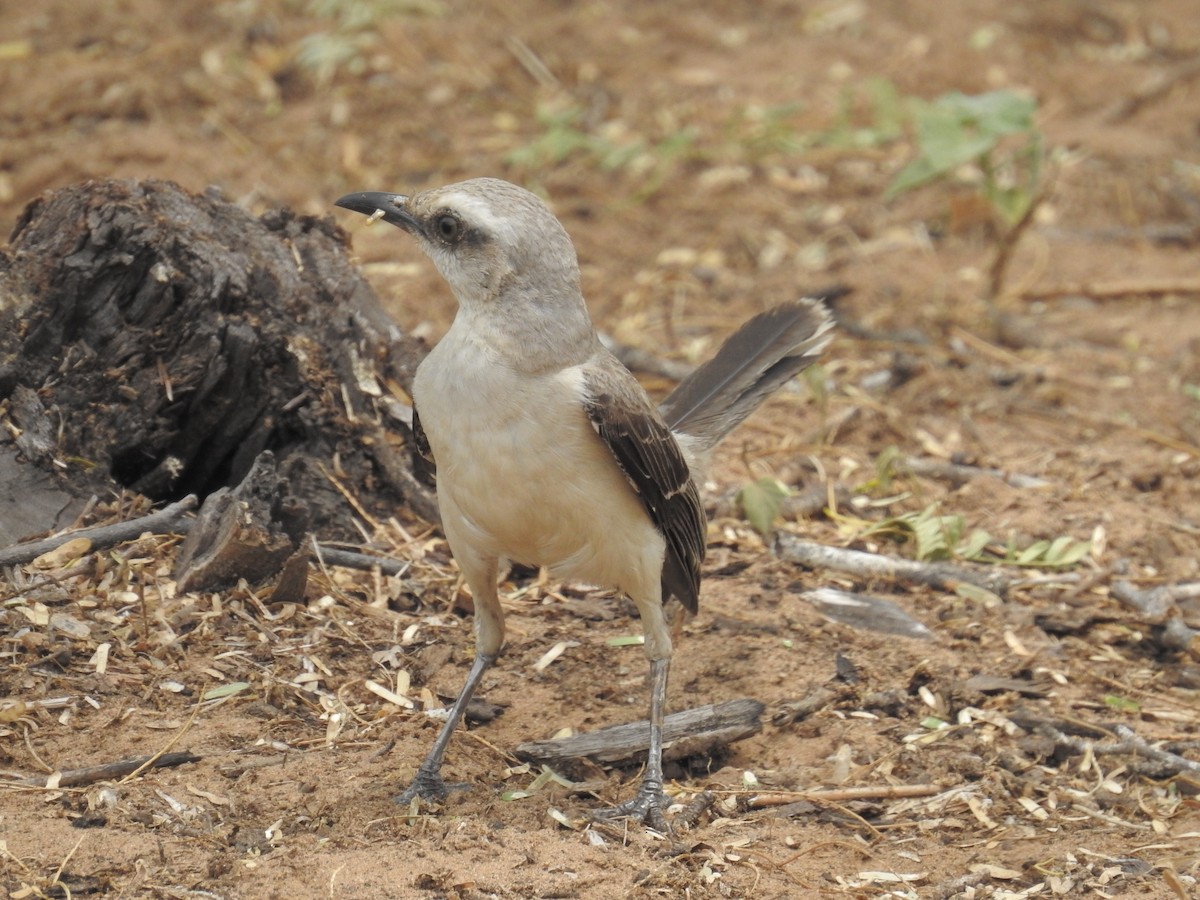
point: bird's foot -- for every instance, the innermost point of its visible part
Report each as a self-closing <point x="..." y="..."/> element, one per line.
<point x="645" y="806"/>
<point x="428" y="786"/>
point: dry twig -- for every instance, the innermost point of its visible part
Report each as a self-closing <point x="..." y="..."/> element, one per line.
<point x="122" y="768"/>
<point x="844" y="795"/>
<point x="958" y="473"/>
<point x="942" y="576"/>
<point x="168" y="520"/>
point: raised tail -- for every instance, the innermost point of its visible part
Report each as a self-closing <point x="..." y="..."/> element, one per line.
<point x="757" y="360"/>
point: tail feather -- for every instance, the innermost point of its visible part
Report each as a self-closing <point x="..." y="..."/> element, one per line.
<point x="757" y="360"/>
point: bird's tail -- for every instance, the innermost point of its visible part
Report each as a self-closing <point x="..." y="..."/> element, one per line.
<point x="757" y="360"/>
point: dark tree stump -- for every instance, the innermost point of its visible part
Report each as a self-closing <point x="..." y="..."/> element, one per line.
<point x="159" y="340"/>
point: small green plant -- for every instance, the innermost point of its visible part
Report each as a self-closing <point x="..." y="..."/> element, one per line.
<point x="870" y="114"/>
<point x="993" y="138"/>
<point x="353" y="34"/>
<point x="1122" y="704"/>
<point x="992" y="134"/>
<point x="885" y="121"/>
<point x="755" y="132"/>
<point x="942" y="537"/>
<point x="568" y="136"/>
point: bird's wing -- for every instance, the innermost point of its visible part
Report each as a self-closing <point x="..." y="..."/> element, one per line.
<point x="424" y="465"/>
<point x="647" y="453"/>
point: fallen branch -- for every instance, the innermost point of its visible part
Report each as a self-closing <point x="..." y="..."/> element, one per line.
<point x="688" y="733"/>
<point x="174" y="519"/>
<point x="350" y="559"/>
<point x="1129" y="743"/>
<point x="109" y="771"/>
<point x="941" y="576"/>
<point x="170" y="519"/>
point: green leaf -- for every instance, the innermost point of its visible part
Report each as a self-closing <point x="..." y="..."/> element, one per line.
<point x="1123" y="704"/>
<point x="628" y="640"/>
<point x="977" y="594"/>
<point x="931" y="539"/>
<point x="973" y="546"/>
<point x="1032" y="553"/>
<point x="226" y="690"/>
<point x="762" y="502"/>
<point x="956" y="129"/>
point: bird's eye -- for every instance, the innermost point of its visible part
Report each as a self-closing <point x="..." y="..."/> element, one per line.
<point x="448" y="228"/>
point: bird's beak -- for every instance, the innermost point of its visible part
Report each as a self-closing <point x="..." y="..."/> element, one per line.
<point x="381" y="205"/>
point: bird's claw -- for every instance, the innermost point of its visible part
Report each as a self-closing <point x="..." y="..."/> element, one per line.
<point x="427" y="786"/>
<point x="645" y="806"/>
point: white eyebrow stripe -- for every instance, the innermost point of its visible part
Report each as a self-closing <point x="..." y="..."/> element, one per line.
<point x="478" y="212"/>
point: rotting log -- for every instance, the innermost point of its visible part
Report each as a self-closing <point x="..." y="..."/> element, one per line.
<point x="158" y="340"/>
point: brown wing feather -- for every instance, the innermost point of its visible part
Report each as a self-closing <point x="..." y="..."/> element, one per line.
<point x="647" y="453"/>
<point x="424" y="465"/>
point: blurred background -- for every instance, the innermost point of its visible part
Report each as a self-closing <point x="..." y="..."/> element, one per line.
<point x="706" y="158"/>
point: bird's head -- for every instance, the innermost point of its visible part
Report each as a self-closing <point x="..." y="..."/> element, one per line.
<point x="492" y="241"/>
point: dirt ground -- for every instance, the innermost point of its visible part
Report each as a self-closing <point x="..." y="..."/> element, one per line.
<point x="708" y="162"/>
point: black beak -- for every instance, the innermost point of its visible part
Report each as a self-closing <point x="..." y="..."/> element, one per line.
<point x="378" y="204"/>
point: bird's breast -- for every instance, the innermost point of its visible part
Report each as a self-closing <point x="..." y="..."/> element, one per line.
<point x="522" y="463"/>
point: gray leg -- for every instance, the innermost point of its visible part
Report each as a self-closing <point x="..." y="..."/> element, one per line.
<point x="649" y="802"/>
<point x="428" y="784"/>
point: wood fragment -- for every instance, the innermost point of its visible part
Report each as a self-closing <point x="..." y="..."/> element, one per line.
<point x="993" y="684"/>
<point x="690" y="814"/>
<point x="692" y="732"/>
<point x="798" y="710"/>
<point x="1160" y="607"/>
<point x="110" y="771"/>
<point x="865" y="612"/>
<point x="249" y="531"/>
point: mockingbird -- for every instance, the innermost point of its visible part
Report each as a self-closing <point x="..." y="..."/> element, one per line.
<point x="547" y="450"/>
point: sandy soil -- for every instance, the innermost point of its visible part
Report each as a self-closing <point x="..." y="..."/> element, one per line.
<point x="708" y="162"/>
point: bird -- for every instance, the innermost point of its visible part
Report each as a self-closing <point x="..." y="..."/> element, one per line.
<point x="548" y="452"/>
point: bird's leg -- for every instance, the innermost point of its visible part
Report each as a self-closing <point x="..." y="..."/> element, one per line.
<point x="428" y="783"/>
<point x="480" y="572"/>
<point x="648" y="803"/>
